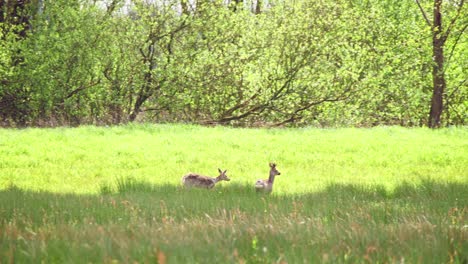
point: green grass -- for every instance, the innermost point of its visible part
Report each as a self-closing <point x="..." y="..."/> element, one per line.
<point x="105" y="195"/>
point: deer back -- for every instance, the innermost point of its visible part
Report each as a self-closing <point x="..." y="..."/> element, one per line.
<point x="197" y="180"/>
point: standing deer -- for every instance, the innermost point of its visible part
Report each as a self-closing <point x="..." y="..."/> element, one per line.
<point x="200" y="181"/>
<point x="267" y="185"/>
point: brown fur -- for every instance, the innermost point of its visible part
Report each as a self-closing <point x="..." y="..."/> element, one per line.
<point x="267" y="184"/>
<point x="200" y="181"/>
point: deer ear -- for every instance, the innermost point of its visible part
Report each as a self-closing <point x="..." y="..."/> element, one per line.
<point x="219" y="170"/>
<point x="224" y="172"/>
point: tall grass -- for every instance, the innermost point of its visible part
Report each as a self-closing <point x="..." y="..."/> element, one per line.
<point x="387" y="195"/>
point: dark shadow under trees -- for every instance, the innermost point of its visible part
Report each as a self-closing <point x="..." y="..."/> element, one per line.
<point x="134" y="220"/>
<point x="197" y="202"/>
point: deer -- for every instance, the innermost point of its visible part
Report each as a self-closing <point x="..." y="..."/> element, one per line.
<point x="267" y="185"/>
<point x="200" y="181"/>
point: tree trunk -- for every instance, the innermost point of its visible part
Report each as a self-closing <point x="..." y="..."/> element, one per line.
<point x="2" y="10"/>
<point x="135" y="111"/>
<point x="258" y="7"/>
<point x="438" y="75"/>
<point x="185" y="7"/>
<point x="143" y="95"/>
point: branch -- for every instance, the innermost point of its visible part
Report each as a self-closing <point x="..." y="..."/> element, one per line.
<point x="241" y="105"/>
<point x="81" y="88"/>
<point x="249" y="112"/>
<point x="456" y="89"/>
<point x="450" y="27"/>
<point x="151" y="109"/>
<point x="454" y="45"/>
<point x="296" y="114"/>
<point x="111" y="7"/>
<point x="424" y="13"/>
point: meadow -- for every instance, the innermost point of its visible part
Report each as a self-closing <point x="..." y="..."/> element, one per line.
<point x="346" y="195"/>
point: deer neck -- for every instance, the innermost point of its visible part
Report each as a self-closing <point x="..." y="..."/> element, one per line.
<point x="271" y="179"/>
<point x="217" y="179"/>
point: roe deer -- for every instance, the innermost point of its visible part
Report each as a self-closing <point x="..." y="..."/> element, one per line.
<point x="267" y="185"/>
<point x="197" y="180"/>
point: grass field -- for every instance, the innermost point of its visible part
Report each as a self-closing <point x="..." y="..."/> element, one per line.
<point x="113" y="195"/>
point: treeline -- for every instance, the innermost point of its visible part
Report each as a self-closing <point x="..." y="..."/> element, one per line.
<point x="247" y="63"/>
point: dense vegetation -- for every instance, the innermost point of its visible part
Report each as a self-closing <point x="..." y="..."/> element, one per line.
<point x="324" y="63"/>
<point x="113" y="195"/>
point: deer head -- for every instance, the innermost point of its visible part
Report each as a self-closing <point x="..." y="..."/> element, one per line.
<point x="273" y="170"/>
<point x="222" y="175"/>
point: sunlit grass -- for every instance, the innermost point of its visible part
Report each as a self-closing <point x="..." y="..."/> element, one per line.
<point x="80" y="160"/>
<point x="98" y="195"/>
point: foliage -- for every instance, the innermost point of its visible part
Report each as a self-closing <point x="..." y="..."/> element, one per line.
<point x="326" y="63"/>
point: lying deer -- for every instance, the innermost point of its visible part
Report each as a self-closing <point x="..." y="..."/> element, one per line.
<point x="200" y="181"/>
<point x="267" y="185"/>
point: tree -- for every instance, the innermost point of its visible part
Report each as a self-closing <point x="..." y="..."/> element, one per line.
<point x="157" y="51"/>
<point x="14" y="27"/>
<point x="270" y="62"/>
<point x="258" y="7"/>
<point x="439" y="38"/>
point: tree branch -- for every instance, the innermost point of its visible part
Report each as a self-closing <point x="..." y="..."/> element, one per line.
<point x="424" y="13"/>
<point x="231" y="110"/>
<point x="81" y="88"/>
<point x="252" y="110"/>
<point x="296" y="114"/>
<point x="456" y="89"/>
<point x="453" y="47"/>
<point x="452" y="23"/>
